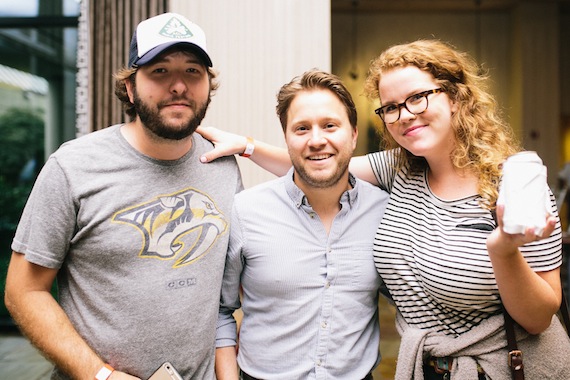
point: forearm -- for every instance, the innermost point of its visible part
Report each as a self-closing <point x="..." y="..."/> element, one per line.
<point x="530" y="298"/>
<point x="271" y="158"/>
<point x="226" y="363"/>
<point x="43" y="321"/>
<point x="360" y="167"/>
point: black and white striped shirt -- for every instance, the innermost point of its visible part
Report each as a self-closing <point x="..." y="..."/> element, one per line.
<point x="432" y="253"/>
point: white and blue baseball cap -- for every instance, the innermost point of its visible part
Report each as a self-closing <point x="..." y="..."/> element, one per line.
<point x="158" y="33"/>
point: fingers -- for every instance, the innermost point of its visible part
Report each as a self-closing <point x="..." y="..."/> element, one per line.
<point x="225" y="143"/>
<point x="504" y="244"/>
<point x="530" y="233"/>
<point x="220" y="147"/>
<point x="549" y="228"/>
<point x="219" y="150"/>
<point x="212" y="155"/>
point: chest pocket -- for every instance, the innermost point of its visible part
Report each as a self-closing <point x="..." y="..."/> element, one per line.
<point x="355" y="268"/>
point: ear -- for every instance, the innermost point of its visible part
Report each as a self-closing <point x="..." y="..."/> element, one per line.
<point x="129" y="87"/>
<point x="354" y="137"/>
<point x="454" y="106"/>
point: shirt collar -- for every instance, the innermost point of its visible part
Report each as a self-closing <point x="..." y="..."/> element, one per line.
<point x="299" y="198"/>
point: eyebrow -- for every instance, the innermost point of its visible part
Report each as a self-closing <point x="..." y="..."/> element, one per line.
<point x="414" y="92"/>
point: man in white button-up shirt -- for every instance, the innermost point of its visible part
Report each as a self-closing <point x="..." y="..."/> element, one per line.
<point x="301" y="251"/>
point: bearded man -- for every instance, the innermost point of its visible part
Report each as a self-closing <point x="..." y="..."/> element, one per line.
<point x="132" y="225"/>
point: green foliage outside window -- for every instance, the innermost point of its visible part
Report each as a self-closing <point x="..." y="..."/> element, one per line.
<point x="21" y="157"/>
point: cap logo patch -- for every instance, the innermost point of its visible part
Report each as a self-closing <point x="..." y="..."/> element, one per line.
<point x="174" y="28"/>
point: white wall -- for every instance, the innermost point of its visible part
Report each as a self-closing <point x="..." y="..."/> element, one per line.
<point x="257" y="46"/>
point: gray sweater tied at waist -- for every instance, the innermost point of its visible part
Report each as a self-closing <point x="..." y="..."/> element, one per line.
<point x="545" y="356"/>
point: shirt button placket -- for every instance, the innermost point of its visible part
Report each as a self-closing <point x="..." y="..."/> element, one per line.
<point x="326" y="312"/>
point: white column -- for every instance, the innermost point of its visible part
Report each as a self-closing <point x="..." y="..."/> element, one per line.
<point x="257" y="46"/>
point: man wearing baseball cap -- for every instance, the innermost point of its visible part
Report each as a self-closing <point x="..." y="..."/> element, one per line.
<point x="132" y="225"/>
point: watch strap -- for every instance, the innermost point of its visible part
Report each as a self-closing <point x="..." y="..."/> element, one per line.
<point x="104" y="373"/>
<point x="249" y="148"/>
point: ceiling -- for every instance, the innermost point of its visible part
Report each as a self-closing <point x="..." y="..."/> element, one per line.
<point x="430" y="5"/>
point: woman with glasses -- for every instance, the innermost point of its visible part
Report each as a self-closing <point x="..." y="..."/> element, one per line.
<point x="448" y="268"/>
<point x="448" y="265"/>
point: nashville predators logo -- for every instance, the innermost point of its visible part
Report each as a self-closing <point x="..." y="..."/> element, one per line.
<point x="182" y="226"/>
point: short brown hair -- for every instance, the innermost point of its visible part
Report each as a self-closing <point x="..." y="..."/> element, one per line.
<point x="310" y="80"/>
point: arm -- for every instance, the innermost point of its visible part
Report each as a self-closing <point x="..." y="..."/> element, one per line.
<point x="360" y="167"/>
<point x="226" y="363"/>
<point x="230" y="300"/>
<point x="44" y="322"/>
<point x="269" y="157"/>
<point x="531" y="298"/>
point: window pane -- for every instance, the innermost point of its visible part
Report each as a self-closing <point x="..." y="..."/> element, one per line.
<point x="20" y="8"/>
<point x="37" y="101"/>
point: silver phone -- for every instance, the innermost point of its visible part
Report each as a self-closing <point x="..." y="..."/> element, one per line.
<point x="166" y="372"/>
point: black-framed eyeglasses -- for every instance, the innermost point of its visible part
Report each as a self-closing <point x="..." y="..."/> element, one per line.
<point x="415" y="104"/>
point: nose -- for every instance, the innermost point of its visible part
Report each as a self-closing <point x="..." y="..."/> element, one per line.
<point x="405" y="114"/>
<point x="178" y="85"/>
<point x="317" y="138"/>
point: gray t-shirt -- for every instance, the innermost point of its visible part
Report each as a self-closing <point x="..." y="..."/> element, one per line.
<point x="140" y="244"/>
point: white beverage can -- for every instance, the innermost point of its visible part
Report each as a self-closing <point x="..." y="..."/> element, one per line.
<point x="524" y="193"/>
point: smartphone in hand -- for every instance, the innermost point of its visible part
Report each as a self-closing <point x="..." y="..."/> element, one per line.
<point x="166" y="372"/>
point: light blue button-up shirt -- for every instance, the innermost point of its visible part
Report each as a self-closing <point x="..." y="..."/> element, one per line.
<point x="310" y="299"/>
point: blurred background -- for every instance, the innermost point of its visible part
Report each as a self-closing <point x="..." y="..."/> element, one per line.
<point x="57" y="58"/>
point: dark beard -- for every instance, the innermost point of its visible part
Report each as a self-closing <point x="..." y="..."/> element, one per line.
<point x="153" y="122"/>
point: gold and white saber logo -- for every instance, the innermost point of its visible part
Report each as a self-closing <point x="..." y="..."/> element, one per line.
<point x="182" y="226"/>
